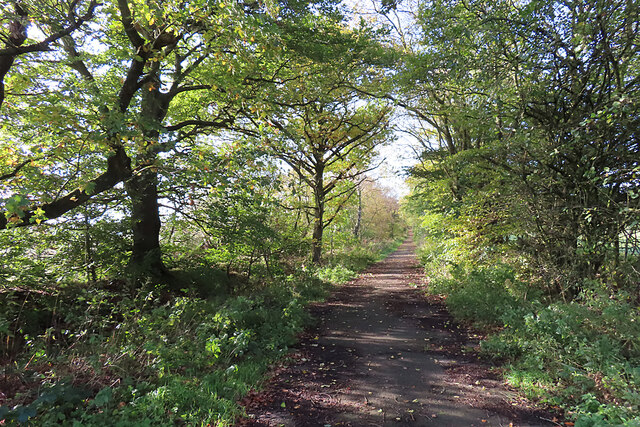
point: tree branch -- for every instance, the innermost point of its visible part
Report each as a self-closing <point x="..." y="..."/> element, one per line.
<point x="127" y="21"/>
<point x="118" y="169"/>
<point x="15" y="171"/>
<point x="43" y="46"/>
<point x="219" y="124"/>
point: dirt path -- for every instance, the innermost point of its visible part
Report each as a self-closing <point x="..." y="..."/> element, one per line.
<point x="384" y="355"/>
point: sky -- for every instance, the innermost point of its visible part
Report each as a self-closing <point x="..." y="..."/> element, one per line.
<point x="399" y="155"/>
<point x="396" y="158"/>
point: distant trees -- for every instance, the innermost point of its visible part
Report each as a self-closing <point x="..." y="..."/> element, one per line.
<point x="377" y="212"/>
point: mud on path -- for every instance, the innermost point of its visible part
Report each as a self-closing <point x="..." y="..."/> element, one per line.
<point x="384" y="355"/>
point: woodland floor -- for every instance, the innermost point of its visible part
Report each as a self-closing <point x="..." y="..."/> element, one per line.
<point x="383" y="354"/>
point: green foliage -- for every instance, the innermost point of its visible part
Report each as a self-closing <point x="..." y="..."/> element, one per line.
<point x="580" y="354"/>
<point x="525" y="197"/>
<point x="533" y="168"/>
<point x="233" y="226"/>
<point x="161" y="275"/>
<point x="337" y="274"/>
<point x="438" y="246"/>
<point x="112" y="353"/>
<point x="583" y="356"/>
<point x="110" y="356"/>
<point x="358" y="256"/>
<point x="344" y="264"/>
<point x="185" y="360"/>
<point x="478" y="295"/>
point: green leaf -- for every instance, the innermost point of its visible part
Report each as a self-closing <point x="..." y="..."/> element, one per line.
<point x="24" y="413"/>
<point x="89" y="188"/>
<point x="103" y="397"/>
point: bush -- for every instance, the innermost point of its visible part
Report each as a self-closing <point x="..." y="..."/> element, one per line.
<point x="581" y="355"/>
<point x="338" y="274"/>
<point x="478" y="295"/>
<point x="359" y="256"/>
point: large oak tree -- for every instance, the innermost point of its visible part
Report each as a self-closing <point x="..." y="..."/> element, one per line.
<point x="111" y="100"/>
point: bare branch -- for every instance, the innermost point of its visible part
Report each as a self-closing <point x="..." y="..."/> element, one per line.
<point x="15" y="171"/>
<point x="219" y="124"/>
<point x="44" y="44"/>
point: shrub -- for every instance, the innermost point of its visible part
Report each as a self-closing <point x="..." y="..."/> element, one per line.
<point x="338" y="274"/>
<point x="478" y="295"/>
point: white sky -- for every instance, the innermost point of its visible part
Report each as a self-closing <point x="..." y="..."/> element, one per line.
<point x="397" y="156"/>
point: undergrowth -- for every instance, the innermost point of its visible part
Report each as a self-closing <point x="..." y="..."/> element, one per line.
<point x="152" y="361"/>
<point x="581" y="355"/>
<point x="102" y="355"/>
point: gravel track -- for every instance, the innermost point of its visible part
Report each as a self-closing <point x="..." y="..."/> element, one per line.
<point x="383" y="354"/>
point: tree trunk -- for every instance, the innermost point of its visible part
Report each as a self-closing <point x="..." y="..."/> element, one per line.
<point x="358" y="227"/>
<point x="146" y="256"/>
<point x="92" y="277"/>
<point x="318" y="229"/>
<point x="318" y="213"/>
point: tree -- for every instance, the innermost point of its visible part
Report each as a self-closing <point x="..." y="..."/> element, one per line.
<point x="113" y="103"/>
<point x="379" y="213"/>
<point x="548" y="91"/>
<point x="328" y="137"/>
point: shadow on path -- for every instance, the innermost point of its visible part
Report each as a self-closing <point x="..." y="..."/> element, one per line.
<point x="383" y="355"/>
